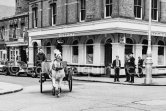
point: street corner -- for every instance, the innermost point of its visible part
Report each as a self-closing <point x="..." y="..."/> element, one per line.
<point x="6" y="88"/>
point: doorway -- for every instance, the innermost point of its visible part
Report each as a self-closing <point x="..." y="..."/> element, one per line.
<point x="108" y="52"/>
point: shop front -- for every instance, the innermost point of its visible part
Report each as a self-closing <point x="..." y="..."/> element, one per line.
<point x="91" y="47"/>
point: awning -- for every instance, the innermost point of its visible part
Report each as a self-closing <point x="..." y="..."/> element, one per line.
<point x="118" y="25"/>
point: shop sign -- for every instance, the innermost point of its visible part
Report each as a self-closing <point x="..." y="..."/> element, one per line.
<point x="66" y="35"/>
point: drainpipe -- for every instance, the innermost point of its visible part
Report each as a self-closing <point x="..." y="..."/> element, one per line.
<point x="66" y="11"/>
<point x="41" y="13"/>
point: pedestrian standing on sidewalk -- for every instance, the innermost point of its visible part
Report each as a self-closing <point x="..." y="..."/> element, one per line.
<point x="126" y="65"/>
<point x="116" y="65"/>
<point x="131" y="68"/>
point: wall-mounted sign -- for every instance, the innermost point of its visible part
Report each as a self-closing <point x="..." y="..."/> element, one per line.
<point x="66" y="35"/>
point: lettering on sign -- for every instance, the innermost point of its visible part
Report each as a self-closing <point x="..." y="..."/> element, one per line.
<point x="66" y="35"/>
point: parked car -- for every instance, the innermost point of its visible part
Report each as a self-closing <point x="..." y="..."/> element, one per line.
<point x="11" y="68"/>
<point x="3" y="67"/>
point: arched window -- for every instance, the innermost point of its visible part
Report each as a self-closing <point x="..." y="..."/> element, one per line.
<point x="128" y="46"/>
<point x="89" y="51"/>
<point x="161" y="53"/>
<point x="48" y="51"/>
<point x="144" y="48"/>
<point x="75" y="52"/>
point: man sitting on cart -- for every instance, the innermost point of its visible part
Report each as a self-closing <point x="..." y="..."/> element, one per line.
<point x="40" y="57"/>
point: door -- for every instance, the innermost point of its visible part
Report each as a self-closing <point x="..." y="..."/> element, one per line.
<point x="108" y="52"/>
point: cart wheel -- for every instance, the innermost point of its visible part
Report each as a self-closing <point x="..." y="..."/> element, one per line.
<point x="41" y="83"/>
<point x="70" y="82"/>
<point x="53" y="91"/>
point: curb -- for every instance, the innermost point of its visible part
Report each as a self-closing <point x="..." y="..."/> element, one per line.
<point x="8" y="92"/>
<point x="132" y="84"/>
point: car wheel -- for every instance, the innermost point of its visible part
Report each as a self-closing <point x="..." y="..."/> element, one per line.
<point x="34" y="75"/>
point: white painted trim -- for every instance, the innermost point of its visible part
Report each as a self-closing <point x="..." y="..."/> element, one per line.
<point x="100" y="27"/>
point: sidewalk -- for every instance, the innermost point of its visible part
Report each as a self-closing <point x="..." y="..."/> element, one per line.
<point x="157" y="81"/>
<point x="6" y="88"/>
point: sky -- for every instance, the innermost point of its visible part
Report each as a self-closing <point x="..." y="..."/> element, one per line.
<point x="7" y="2"/>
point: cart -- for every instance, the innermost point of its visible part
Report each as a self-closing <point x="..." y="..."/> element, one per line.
<point x="44" y="76"/>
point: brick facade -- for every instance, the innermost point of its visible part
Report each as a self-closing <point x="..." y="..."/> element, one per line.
<point x="21" y="6"/>
<point x="72" y="12"/>
<point x="68" y="11"/>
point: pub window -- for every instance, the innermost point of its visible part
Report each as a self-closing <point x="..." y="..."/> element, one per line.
<point x="154" y="10"/>
<point x="48" y="51"/>
<point x="144" y="49"/>
<point x="53" y="13"/>
<point x="160" y="53"/>
<point x="138" y="9"/>
<point x="34" y="17"/>
<point x="83" y="10"/>
<point x="75" y="52"/>
<point x="89" y="52"/>
<point x="108" y="8"/>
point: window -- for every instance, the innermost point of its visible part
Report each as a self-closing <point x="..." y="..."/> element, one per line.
<point x="34" y="17"/>
<point x="144" y="49"/>
<point x="53" y="13"/>
<point x="75" y="52"/>
<point x="15" y="31"/>
<point x="83" y="10"/>
<point x="48" y="51"/>
<point x="108" y="8"/>
<point x="138" y="9"/>
<point x="154" y="10"/>
<point x="161" y="53"/>
<point x="89" y="52"/>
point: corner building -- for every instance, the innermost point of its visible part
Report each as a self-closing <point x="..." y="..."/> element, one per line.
<point x="90" y="33"/>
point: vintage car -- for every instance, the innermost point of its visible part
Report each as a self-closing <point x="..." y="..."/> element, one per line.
<point x="3" y="67"/>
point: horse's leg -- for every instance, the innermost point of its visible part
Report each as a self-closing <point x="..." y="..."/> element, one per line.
<point x="59" y="86"/>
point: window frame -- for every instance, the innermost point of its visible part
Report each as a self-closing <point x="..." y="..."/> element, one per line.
<point x="105" y="10"/>
<point x="136" y="5"/>
<point x="35" y="17"/>
<point x="163" y="49"/>
<point x="154" y="8"/>
<point x="75" y="45"/>
<point x="86" y="49"/>
<point x="82" y="10"/>
<point x="53" y="15"/>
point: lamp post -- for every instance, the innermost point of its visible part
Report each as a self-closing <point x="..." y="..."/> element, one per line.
<point x="148" y="64"/>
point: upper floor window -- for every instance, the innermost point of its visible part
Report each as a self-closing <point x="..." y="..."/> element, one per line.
<point x="83" y="10"/>
<point x="108" y="8"/>
<point x="34" y="17"/>
<point x="138" y="9"/>
<point x="154" y="10"/>
<point x="53" y="13"/>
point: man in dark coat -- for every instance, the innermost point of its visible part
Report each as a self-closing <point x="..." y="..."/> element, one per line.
<point x="140" y="66"/>
<point x="126" y="65"/>
<point x="116" y="65"/>
<point x="131" y="69"/>
<point x="40" y="57"/>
